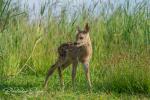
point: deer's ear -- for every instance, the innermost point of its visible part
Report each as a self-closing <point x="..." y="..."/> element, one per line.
<point x="87" y="28"/>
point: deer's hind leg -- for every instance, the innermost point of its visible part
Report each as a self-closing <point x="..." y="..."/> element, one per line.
<point x="51" y="70"/>
<point x="60" y="72"/>
<point x="49" y="73"/>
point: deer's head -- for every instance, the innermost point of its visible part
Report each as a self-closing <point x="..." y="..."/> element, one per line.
<point x="82" y="36"/>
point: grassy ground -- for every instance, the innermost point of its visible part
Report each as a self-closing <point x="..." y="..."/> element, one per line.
<point x="29" y="87"/>
<point x="121" y="52"/>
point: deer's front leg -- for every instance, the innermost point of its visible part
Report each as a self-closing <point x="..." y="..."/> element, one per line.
<point x="74" y="69"/>
<point x="61" y="77"/>
<point x="87" y="73"/>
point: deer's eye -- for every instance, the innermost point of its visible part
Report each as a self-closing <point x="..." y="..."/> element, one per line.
<point x="81" y="38"/>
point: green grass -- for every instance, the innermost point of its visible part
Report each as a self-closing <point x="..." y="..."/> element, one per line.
<point x="121" y="53"/>
<point x="29" y="87"/>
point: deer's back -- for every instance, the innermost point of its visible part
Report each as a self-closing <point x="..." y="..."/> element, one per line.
<point x="67" y="50"/>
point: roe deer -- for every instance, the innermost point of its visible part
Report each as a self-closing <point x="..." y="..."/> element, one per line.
<point x="73" y="53"/>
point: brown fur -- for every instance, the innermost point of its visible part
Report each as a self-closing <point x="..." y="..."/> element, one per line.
<point x="73" y="53"/>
